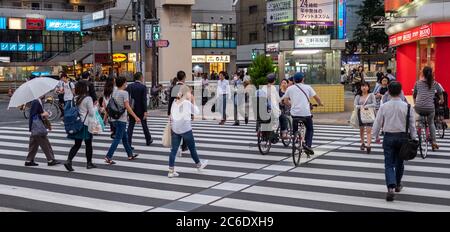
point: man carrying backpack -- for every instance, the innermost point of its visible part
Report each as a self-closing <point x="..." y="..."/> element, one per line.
<point x="118" y="106"/>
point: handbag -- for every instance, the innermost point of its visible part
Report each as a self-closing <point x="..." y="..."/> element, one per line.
<point x="408" y="150"/>
<point x="167" y="136"/>
<point x="367" y="115"/>
<point x="354" y="121"/>
<point x="38" y="127"/>
<point x="310" y="105"/>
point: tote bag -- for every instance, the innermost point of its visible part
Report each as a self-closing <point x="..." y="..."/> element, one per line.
<point x="354" y="122"/>
<point x="167" y="136"/>
<point x="367" y="115"/>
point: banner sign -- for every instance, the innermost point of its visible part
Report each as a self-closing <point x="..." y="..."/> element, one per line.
<point x="35" y="24"/>
<point x="315" y="12"/>
<point x="280" y="11"/>
<point x="342" y="19"/>
<point x="62" y="25"/>
<point x="313" y="41"/>
<point x="21" y="47"/>
<point x="2" y="23"/>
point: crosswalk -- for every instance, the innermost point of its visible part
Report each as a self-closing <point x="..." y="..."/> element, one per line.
<point x="338" y="178"/>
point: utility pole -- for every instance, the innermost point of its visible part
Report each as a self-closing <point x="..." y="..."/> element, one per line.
<point x="142" y="34"/>
<point x="111" y="70"/>
<point x="137" y="27"/>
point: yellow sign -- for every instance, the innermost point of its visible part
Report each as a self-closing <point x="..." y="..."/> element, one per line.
<point x="119" y="57"/>
<point x="198" y="59"/>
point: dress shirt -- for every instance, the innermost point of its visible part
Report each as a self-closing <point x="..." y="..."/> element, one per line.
<point x="392" y="118"/>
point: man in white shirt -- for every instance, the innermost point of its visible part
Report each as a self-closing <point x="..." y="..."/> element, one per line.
<point x="298" y="96"/>
<point x="223" y="93"/>
<point x="390" y="76"/>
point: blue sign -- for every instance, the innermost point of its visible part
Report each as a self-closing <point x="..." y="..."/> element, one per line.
<point x="2" y="23"/>
<point x="62" y="25"/>
<point x="40" y="74"/>
<point x="21" y="47"/>
<point x="342" y="19"/>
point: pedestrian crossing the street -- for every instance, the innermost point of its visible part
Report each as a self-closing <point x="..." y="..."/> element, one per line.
<point x="238" y="178"/>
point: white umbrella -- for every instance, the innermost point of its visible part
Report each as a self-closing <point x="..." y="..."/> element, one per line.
<point x="32" y="90"/>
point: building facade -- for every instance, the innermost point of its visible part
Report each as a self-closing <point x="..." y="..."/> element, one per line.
<point x="420" y="35"/>
<point x="214" y="39"/>
<point x="299" y="36"/>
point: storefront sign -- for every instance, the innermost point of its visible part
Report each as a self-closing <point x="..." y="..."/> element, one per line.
<point x="35" y="24"/>
<point x="342" y="19"/>
<point x="315" y="11"/>
<point x="16" y="24"/>
<point x="314" y="41"/>
<point x="102" y="58"/>
<point x="198" y="59"/>
<point x="21" y="47"/>
<point x="98" y="15"/>
<point x="132" y="57"/>
<point x="280" y="11"/>
<point x="392" y="5"/>
<point x="273" y="47"/>
<point x="119" y="57"/>
<point x="2" y="23"/>
<point x="218" y="59"/>
<point x="440" y="29"/>
<point x="62" y="25"/>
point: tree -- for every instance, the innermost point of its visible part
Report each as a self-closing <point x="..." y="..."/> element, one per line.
<point x="370" y="40"/>
<point x="259" y="69"/>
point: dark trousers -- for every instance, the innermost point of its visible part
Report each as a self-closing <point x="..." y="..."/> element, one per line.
<point x="35" y="143"/>
<point x="308" y="125"/>
<point x="224" y="107"/>
<point x="393" y="165"/>
<point x="74" y="150"/>
<point x="147" y="134"/>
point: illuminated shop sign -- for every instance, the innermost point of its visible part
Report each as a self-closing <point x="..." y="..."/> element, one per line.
<point x="342" y="19"/>
<point x="35" y="24"/>
<point x="315" y="12"/>
<point x="280" y="11"/>
<point x="62" y="25"/>
<point x="2" y="23"/>
<point x="313" y="41"/>
<point x="439" y="29"/>
<point x="21" y="47"/>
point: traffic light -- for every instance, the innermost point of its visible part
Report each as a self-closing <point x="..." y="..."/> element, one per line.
<point x="156" y="32"/>
<point x="253" y="55"/>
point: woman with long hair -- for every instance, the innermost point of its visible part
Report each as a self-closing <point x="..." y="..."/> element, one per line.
<point x="381" y="90"/>
<point x="365" y="100"/>
<point x="108" y="89"/>
<point x="87" y="113"/>
<point x="424" y="93"/>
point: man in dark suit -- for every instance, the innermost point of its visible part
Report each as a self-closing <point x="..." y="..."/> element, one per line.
<point x="138" y="101"/>
<point x="86" y="77"/>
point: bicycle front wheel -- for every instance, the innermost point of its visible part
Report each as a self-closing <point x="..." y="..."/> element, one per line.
<point x="287" y="142"/>
<point x="264" y="143"/>
<point x="53" y="111"/>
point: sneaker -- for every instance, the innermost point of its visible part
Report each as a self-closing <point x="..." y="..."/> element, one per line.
<point x="109" y="161"/>
<point x="149" y="142"/>
<point x="398" y="188"/>
<point x="202" y="165"/>
<point x="53" y="163"/>
<point x="308" y="150"/>
<point x="390" y="195"/>
<point x="173" y="174"/>
<point x="90" y="165"/>
<point x="68" y="166"/>
<point x="31" y="164"/>
<point x="133" y="157"/>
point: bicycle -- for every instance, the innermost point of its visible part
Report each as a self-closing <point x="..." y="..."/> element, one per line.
<point x="25" y="110"/>
<point x="423" y="132"/>
<point x="298" y="141"/>
<point x="268" y="138"/>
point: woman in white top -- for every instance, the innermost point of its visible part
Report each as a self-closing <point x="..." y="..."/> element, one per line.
<point x="87" y="113"/>
<point x="180" y="116"/>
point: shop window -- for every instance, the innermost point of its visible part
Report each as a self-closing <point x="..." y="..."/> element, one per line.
<point x="131" y="33"/>
<point x="253" y="36"/>
<point x="35" y="6"/>
<point x="48" y="6"/>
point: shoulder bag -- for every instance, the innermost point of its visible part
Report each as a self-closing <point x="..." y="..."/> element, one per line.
<point x="306" y="95"/>
<point x="367" y="115"/>
<point x="408" y="150"/>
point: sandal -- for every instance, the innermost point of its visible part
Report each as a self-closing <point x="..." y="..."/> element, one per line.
<point x="434" y="146"/>
<point x="109" y="161"/>
<point x="133" y="157"/>
<point x="363" y="147"/>
<point x="369" y="149"/>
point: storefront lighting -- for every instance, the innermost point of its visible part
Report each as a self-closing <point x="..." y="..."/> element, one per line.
<point x="305" y="52"/>
<point x="304" y="31"/>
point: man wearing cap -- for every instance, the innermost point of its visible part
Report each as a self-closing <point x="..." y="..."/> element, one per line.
<point x="298" y="96"/>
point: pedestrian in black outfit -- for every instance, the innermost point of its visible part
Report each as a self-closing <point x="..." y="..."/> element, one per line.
<point x="108" y="89"/>
<point x="138" y="98"/>
<point x="86" y="76"/>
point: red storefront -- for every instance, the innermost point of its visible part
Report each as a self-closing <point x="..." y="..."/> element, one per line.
<point x="427" y="45"/>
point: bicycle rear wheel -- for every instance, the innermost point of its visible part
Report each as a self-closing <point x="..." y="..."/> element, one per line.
<point x="52" y="109"/>
<point x="297" y="146"/>
<point x="264" y="143"/>
<point x="423" y="143"/>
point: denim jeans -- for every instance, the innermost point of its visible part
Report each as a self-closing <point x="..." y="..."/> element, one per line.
<point x="393" y="165"/>
<point x="308" y="125"/>
<point x="188" y="138"/>
<point x="121" y="135"/>
<point x="431" y="115"/>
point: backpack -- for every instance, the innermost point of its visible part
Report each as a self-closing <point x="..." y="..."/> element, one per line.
<point x="114" y="110"/>
<point x="73" y="123"/>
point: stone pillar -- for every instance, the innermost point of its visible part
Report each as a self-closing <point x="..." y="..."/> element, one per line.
<point x="176" y="26"/>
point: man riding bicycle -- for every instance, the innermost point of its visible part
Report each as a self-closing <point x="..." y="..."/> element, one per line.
<point x="297" y="96"/>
